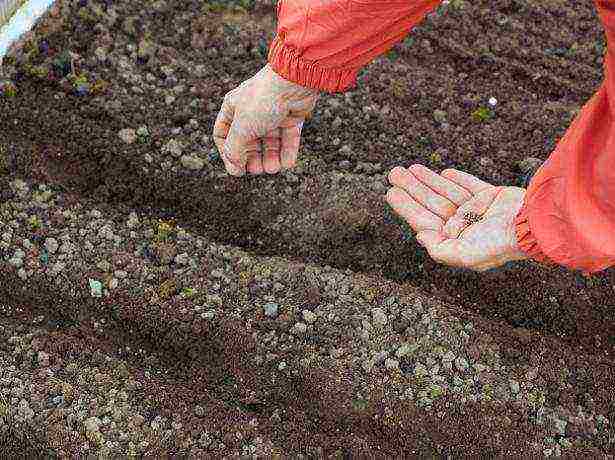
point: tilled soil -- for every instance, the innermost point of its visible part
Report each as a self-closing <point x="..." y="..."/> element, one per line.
<point x="329" y="211"/>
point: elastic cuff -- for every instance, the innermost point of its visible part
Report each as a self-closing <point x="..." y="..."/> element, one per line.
<point x="285" y="62"/>
<point x="526" y="241"/>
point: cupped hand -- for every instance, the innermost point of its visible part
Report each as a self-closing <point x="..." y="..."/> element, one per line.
<point x="265" y="109"/>
<point x="435" y="206"/>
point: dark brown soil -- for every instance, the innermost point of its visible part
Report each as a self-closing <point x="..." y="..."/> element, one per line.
<point x="456" y="63"/>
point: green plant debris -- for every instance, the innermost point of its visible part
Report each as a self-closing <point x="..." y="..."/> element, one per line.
<point x="392" y="54"/>
<point x="435" y="158"/>
<point x="536" y="398"/>
<point x="164" y="230"/>
<point x="482" y="114"/>
<point x="399" y="88"/>
<point x="188" y="292"/>
<point x="423" y="141"/>
<point x="35" y="222"/>
<point x="359" y="405"/>
<point x="7" y="89"/>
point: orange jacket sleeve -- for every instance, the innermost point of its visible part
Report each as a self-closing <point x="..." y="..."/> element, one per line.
<point x="568" y="216"/>
<point x="322" y="44"/>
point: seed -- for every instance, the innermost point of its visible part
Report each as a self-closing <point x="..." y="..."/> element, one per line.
<point x="471" y="217"/>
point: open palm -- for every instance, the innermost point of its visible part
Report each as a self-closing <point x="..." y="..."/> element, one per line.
<point x="435" y="206"/>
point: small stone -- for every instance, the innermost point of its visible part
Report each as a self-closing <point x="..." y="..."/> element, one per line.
<point x="529" y="164"/>
<point x="282" y="366"/>
<point x="182" y="259"/>
<point x="191" y="162"/>
<point x="128" y="135"/>
<point x="309" y="316"/>
<point x="24" y="409"/>
<point x="173" y="147"/>
<point x="271" y="309"/>
<point x="345" y="164"/>
<point x="461" y="364"/>
<point x="209" y="314"/>
<point x="379" y="317"/>
<point x="199" y="411"/>
<point x="43" y="359"/>
<point x="403" y="350"/>
<point x="92" y="424"/>
<point x="299" y="329"/>
<point x="95" y="288"/>
<point x="439" y="116"/>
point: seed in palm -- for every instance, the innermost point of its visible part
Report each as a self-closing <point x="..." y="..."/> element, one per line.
<point x="471" y="217"/>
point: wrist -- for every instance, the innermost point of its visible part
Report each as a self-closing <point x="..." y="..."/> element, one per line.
<point x="294" y="88"/>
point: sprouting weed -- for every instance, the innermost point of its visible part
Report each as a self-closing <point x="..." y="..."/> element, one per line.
<point x="435" y="157"/>
<point x="536" y="398"/>
<point x="35" y="222"/>
<point x="457" y="4"/>
<point x="188" y="292"/>
<point x="167" y="289"/>
<point x="99" y="86"/>
<point x="423" y="141"/>
<point x="165" y="229"/>
<point x="392" y="54"/>
<point x="79" y="80"/>
<point x="399" y="88"/>
<point x="7" y="89"/>
<point x="482" y="114"/>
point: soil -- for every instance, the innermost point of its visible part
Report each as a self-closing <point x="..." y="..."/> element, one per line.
<point x="332" y="216"/>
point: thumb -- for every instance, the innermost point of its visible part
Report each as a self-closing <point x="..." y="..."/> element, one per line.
<point x="441" y="248"/>
<point x="234" y="150"/>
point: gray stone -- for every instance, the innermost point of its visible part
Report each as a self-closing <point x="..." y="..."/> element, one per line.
<point x="271" y="309"/>
<point x="128" y="135"/>
<point x="192" y="162"/>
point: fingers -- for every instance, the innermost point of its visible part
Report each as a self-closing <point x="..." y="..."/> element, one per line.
<point x="228" y="139"/>
<point x="469" y="182"/>
<point x="427" y="197"/>
<point x="271" y="151"/>
<point x="291" y="139"/>
<point x="255" y="159"/>
<point x="417" y="216"/>
<point x="440" y="184"/>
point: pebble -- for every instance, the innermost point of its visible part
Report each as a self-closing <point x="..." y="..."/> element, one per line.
<point x="299" y="329"/>
<point x="199" y="411"/>
<point x="182" y="259"/>
<point x="43" y="359"/>
<point x="173" y="147"/>
<point x="24" y="409"/>
<point x="309" y="316"/>
<point x="192" y="162"/>
<point x="439" y="116"/>
<point x="461" y="364"/>
<point x="379" y="317"/>
<point x="271" y="309"/>
<point x="128" y="135"/>
<point x="529" y="164"/>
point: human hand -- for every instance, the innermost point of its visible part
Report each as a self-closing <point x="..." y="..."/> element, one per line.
<point x="434" y="205"/>
<point x="266" y="108"/>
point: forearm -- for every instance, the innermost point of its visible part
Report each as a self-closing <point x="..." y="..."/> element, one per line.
<point x="323" y="44"/>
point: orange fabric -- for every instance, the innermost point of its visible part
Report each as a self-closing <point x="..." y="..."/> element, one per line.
<point x="568" y="217"/>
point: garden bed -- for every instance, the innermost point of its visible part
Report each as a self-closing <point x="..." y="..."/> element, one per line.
<point x="112" y="111"/>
